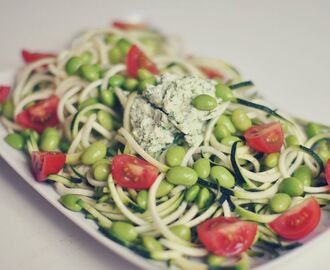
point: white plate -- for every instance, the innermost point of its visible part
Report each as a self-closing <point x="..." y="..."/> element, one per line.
<point x="19" y="162"/>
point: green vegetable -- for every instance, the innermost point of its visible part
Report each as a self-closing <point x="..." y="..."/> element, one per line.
<point x="204" y="103"/>
<point x="124" y="45"/>
<point x="70" y="202"/>
<point x="220" y="132"/>
<point x="130" y="84"/>
<point x="291" y="140"/>
<point x="86" y="57"/>
<point x="271" y="160"/>
<point x="15" y="140"/>
<point x="117" y="80"/>
<point x="86" y="103"/>
<point x="50" y="139"/>
<point x="323" y="150"/>
<point x="90" y="72"/>
<point x="291" y="186"/>
<point x="304" y="175"/>
<point x="143" y="84"/>
<point x="111" y="39"/>
<point x="229" y="141"/>
<point x="64" y="145"/>
<point x="174" y="155"/>
<point x="115" y="55"/>
<point x="101" y="172"/>
<point x="8" y="109"/>
<point x="224" y="92"/>
<point x="124" y="231"/>
<point x="181" y="231"/>
<point x="164" y="188"/>
<point x="203" y="197"/>
<point x="202" y="167"/>
<point x="225" y="121"/>
<point x="313" y="129"/>
<point x="108" y="97"/>
<point x="181" y="176"/>
<point x="280" y="202"/>
<point x="192" y="193"/>
<point x="93" y="153"/>
<point x="240" y="120"/>
<point x="73" y="64"/>
<point x="105" y="120"/>
<point x="222" y="176"/>
<point x="144" y="74"/>
<point x="151" y="244"/>
<point x="142" y="199"/>
<point x="215" y="260"/>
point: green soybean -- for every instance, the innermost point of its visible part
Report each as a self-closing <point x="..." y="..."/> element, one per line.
<point x="142" y="199"/>
<point x="151" y="244"/>
<point x="224" y="92"/>
<point x="291" y="140"/>
<point x="93" y="153"/>
<point x="50" y="131"/>
<point x="86" y="103"/>
<point x="124" y="45"/>
<point x="323" y="150"/>
<point x="115" y="55"/>
<point x="105" y="120"/>
<point x="271" y="160"/>
<point x="108" y="97"/>
<point x="313" y="129"/>
<point x="144" y="84"/>
<point x="101" y="172"/>
<point x="204" y="102"/>
<point x="70" y="201"/>
<point x="117" y="80"/>
<point x="50" y="139"/>
<point x="90" y="72"/>
<point x="229" y="141"/>
<point x="202" y="167"/>
<point x="240" y="120"/>
<point x="86" y="57"/>
<point x="124" y="231"/>
<point x="192" y="193"/>
<point x="203" y="197"/>
<point x="144" y="74"/>
<point x="222" y="176"/>
<point x="8" y="109"/>
<point x="111" y="39"/>
<point x="181" y="231"/>
<point x="164" y="188"/>
<point x="291" y="186"/>
<point x="304" y="175"/>
<point x="130" y="84"/>
<point x="15" y="140"/>
<point x="225" y="121"/>
<point x="73" y="64"/>
<point x="220" y="132"/>
<point x="174" y="155"/>
<point x="182" y="176"/>
<point x="280" y="202"/>
<point x="215" y="260"/>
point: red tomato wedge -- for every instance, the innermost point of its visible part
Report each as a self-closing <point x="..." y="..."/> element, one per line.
<point x="128" y="26"/>
<point x="30" y="57"/>
<point x="4" y="92"/>
<point x="136" y="59"/>
<point x="298" y="221"/>
<point x="46" y="163"/>
<point x="132" y="172"/>
<point x="227" y="236"/>
<point x="327" y="172"/>
<point x="212" y="73"/>
<point x="41" y="115"/>
<point x="265" y="138"/>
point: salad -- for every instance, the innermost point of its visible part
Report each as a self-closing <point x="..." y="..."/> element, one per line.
<point x="173" y="156"/>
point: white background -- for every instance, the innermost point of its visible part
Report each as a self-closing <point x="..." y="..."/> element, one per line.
<point x="283" y="46"/>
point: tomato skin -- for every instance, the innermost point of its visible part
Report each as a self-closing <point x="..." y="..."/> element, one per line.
<point x="136" y="59"/>
<point x="211" y="73"/>
<point x="30" y="57"/>
<point x="265" y="138"/>
<point x="46" y="163"/>
<point x="298" y="221"/>
<point x="41" y="115"/>
<point x="128" y="26"/>
<point x="227" y="236"/>
<point x="132" y="172"/>
<point x="4" y="92"/>
<point x="327" y="171"/>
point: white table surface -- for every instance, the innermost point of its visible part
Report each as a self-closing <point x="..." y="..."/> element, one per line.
<point x="282" y="45"/>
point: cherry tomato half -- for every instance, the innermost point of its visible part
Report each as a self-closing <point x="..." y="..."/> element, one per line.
<point x="41" y="115"/>
<point x="212" y="73"/>
<point x="227" y="236"/>
<point x="128" y="26"/>
<point x="132" y="172"/>
<point x="298" y="221"/>
<point x="46" y="163"/>
<point x="327" y="172"/>
<point x="4" y="92"/>
<point x="265" y="138"/>
<point x="136" y="59"/>
<point x="30" y="57"/>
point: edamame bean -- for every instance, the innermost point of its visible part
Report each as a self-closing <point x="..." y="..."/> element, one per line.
<point x="304" y="175"/>
<point x="108" y="97"/>
<point x="73" y="64"/>
<point x="117" y="80"/>
<point x="142" y="199"/>
<point x="280" y="202"/>
<point x="145" y="83"/>
<point x="111" y="39"/>
<point x="225" y="121"/>
<point x="50" y="131"/>
<point x="223" y="176"/>
<point x="115" y="55"/>
<point x="174" y="155"/>
<point x="229" y="141"/>
<point x="86" y="103"/>
<point x="151" y="244"/>
<point x="181" y="231"/>
<point x="93" y="153"/>
<point x="181" y="176"/>
<point x="15" y="140"/>
<point x="124" y="45"/>
<point x="323" y="151"/>
<point x="105" y="120"/>
<point x="202" y="167"/>
<point x="313" y="129"/>
<point x="291" y="140"/>
<point x="291" y="186"/>
<point x="224" y="92"/>
<point x="64" y="145"/>
<point x="144" y="74"/>
<point x="99" y="162"/>
<point x="124" y="231"/>
<point x="271" y="160"/>
<point x="50" y="139"/>
<point x="70" y="201"/>
<point x="90" y="72"/>
<point x="130" y="84"/>
<point x="101" y="172"/>
<point x="240" y="120"/>
<point x="192" y="193"/>
<point x="8" y="109"/>
<point x="26" y="133"/>
<point x="204" y="102"/>
<point x="86" y="57"/>
<point x="164" y="188"/>
<point x="203" y="198"/>
<point x="215" y="260"/>
<point x="220" y="132"/>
